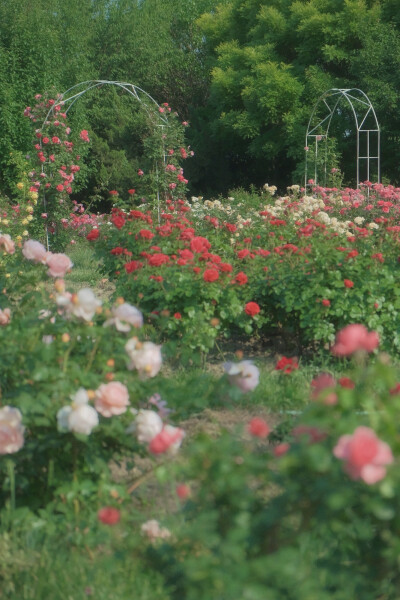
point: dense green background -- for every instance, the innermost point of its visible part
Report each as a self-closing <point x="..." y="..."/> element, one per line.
<point x="245" y="73"/>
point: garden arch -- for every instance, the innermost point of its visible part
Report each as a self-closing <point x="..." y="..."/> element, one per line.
<point x="153" y="109"/>
<point x="367" y="127"/>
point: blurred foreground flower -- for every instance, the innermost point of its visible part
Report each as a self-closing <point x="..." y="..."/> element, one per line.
<point x="78" y="417"/>
<point x="11" y="430"/>
<point x="244" y="375"/>
<point x="365" y="455"/>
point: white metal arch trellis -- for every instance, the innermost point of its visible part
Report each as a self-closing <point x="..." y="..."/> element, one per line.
<point x="366" y="124"/>
<point x="157" y="116"/>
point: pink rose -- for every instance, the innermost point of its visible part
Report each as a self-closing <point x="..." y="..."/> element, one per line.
<point x="170" y="438"/>
<point x="7" y="243"/>
<point x="112" y="399"/>
<point x="59" y="265"/>
<point x="5" y="316"/>
<point x="35" y="251"/>
<point x="11" y="430"/>
<point x="365" y="455"/>
<point x="354" y="337"/>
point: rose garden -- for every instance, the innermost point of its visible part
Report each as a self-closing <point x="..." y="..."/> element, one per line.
<point x="199" y="398"/>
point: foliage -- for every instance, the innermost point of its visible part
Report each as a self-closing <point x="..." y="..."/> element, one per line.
<point x="267" y="520"/>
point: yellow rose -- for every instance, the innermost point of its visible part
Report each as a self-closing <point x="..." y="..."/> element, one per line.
<point x="20" y="185"/>
<point x="29" y="218"/>
<point x="29" y="209"/>
<point x="5" y="221"/>
<point x="34" y="195"/>
<point x="18" y="238"/>
<point x="25" y="233"/>
<point x="24" y="221"/>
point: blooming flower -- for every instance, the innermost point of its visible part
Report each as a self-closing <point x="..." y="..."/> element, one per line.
<point x="112" y="399"/>
<point x="5" y="316"/>
<point x="145" y="357"/>
<point x="78" y="417"/>
<point x="244" y="375"/>
<point x="35" y="251"/>
<point x="109" y="515"/>
<point x="153" y="531"/>
<point x="258" y="427"/>
<point x="84" y="304"/>
<point x="124" y="316"/>
<point x="59" y="264"/>
<point x="169" y="439"/>
<point x="354" y="337"/>
<point x="11" y="430"/>
<point x="252" y="309"/>
<point x="6" y="243"/>
<point x="147" y="425"/>
<point x="287" y="365"/>
<point x="365" y="455"/>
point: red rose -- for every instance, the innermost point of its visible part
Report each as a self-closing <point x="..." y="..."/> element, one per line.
<point x="241" y="278"/>
<point x="158" y="259"/>
<point x="146" y="234"/>
<point x="287" y="365"/>
<point x="252" y="309"/>
<point x="325" y="302"/>
<point x="118" y="221"/>
<point x="199" y="244"/>
<point x="93" y="235"/>
<point x="348" y="283"/>
<point x="210" y="275"/>
<point x="134" y="265"/>
<point x="258" y="427"/>
<point x="109" y="515"/>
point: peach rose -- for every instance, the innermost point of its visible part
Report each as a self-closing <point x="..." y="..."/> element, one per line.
<point x="11" y="430"/>
<point x="59" y="264"/>
<point x="5" y="316"/>
<point x="35" y="251"/>
<point x="112" y="399"/>
<point x="7" y="243"/>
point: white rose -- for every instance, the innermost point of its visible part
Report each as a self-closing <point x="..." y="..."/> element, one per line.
<point x="145" y="357"/>
<point x="84" y="304"/>
<point x="148" y="424"/>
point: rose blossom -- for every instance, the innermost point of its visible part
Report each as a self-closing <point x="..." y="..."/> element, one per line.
<point x="244" y="375"/>
<point x="35" y="251"/>
<point x="153" y="530"/>
<point x="354" y="337"/>
<point x="78" y="417"/>
<point x="59" y="264"/>
<point x="258" y="427"/>
<point x="123" y="316"/>
<point x="7" y="243"/>
<point x="169" y="439"/>
<point x="84" y="304"/>
<point x="365" y="455"/>
<point x="5" y="316"/>
<point x="11" y="430"/>
<point x="112" y="399"/>
<point x="109" y="515"/>
<point x="148" y="424"/>
<point x="145" y="357"/>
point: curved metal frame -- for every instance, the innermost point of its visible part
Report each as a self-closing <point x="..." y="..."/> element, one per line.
<point x="361" y="108"/>
<point x="73" y="94"/>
